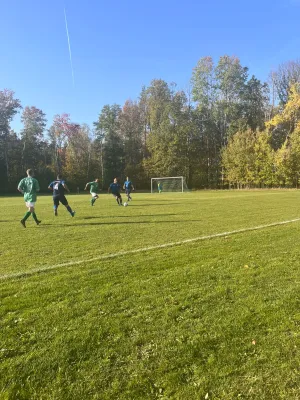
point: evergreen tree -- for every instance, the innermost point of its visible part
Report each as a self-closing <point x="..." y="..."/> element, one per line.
<point x="9" y="107"/>
<point x="34" y="121"/>
<point x="132" y="132"/>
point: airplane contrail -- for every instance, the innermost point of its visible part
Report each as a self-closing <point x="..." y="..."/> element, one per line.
<point x="70" y="53"/>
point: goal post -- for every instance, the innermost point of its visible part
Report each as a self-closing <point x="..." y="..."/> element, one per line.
<point x="168" y="184"/>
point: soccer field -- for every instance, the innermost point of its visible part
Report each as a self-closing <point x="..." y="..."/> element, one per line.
<point x="95" y="307"/>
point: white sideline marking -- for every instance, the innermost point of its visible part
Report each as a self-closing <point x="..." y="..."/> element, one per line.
<point x="141" y="250"/>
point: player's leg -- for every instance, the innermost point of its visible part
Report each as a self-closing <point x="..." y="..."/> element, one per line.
<point x="64" y="201"/>
<point x="120" y="199"/>
<point x="117" y="198"/>
<point x="55" y="204"/>
<point x="26" y="215"/>
<point x="32" y="210"/>
<point x="94" y="198"/>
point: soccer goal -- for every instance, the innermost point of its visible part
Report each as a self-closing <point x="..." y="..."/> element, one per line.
<point x="168" y="184"/>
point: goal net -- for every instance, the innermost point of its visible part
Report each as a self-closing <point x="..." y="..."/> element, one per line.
<point x="168" y="184"/>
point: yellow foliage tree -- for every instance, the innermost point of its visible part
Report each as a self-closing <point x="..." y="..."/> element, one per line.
<point x="288" y="157"/>
<point x="291" y="111"/>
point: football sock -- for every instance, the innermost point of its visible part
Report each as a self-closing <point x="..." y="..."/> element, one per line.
<point x="69" y="209"/>
<point x="27" y="215"/>
<point x="34" y="216"/>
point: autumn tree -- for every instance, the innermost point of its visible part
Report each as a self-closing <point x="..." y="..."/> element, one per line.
<point x="238" y="159"/>
<point x="60" y="132"/>
<point x="288" y="156"/>
<point x="286" y="75"/>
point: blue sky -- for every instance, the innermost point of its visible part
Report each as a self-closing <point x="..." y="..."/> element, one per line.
<point x="117" y="47"/>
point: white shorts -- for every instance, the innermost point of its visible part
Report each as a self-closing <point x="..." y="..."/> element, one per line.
<point x="29" y="204"/>
<point x="94" y="194"/>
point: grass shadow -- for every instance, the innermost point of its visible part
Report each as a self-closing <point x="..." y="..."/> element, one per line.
<point x="131" y="216"/>
<point x="154" y="204"/>
<point x="118" y="223"/>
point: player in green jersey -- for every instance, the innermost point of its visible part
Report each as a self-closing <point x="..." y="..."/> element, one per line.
<point x="94" y="188"/>
<point x="159" y="187"/>
<point x="29" y="187"/>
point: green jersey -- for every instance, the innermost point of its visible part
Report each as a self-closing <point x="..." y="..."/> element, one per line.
<point x="29" y="187"/>
<point x="93" y="187"/>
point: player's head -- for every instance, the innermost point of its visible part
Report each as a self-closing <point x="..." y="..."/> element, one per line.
<point x="30" y="172"/>
<point x="127" y="178"/>
<point x="97" y="180"/>
<point x="59" y="176"/>
<point x="115" y="180"/>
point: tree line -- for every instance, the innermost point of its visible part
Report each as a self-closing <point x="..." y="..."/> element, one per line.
<point x="228" y="129"/>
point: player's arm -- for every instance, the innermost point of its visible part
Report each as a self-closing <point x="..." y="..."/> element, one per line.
<point x="37" y="186"/>
<point x="50" y="187"/>
<point x="20" y="187"/>
<point x="87" y="185"/>
<point x="66" y="187"/>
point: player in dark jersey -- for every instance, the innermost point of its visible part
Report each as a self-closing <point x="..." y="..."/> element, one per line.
<point x="115" y="189"/>
<point x="128" y="186"/>
<point x="59" y="187"/>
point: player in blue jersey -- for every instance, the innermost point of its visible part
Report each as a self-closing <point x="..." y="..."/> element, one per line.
<point x="128" y="187"/>
<point x="115" y="189"/>
<point x="59" y="187"/>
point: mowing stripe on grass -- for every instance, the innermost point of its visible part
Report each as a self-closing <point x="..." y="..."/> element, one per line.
<point x="143" y="249"/>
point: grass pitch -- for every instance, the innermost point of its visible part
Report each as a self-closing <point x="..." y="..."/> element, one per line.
<point x="215" y="319"/>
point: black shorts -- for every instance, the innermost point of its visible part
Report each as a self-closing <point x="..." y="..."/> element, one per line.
<point x="117" y="195"/>
<point x="60" y="199"/>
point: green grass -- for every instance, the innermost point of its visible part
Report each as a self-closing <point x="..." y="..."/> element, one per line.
<point x="217" y="318"/>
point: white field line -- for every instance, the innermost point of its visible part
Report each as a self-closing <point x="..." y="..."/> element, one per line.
<point x="141" y="250"/>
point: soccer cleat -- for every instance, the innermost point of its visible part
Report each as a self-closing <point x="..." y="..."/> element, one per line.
<point x="73" y="213"/>
<point x="55" y="213"/>
<point x="38" y="222"/>
<point x="23" y="223"/>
